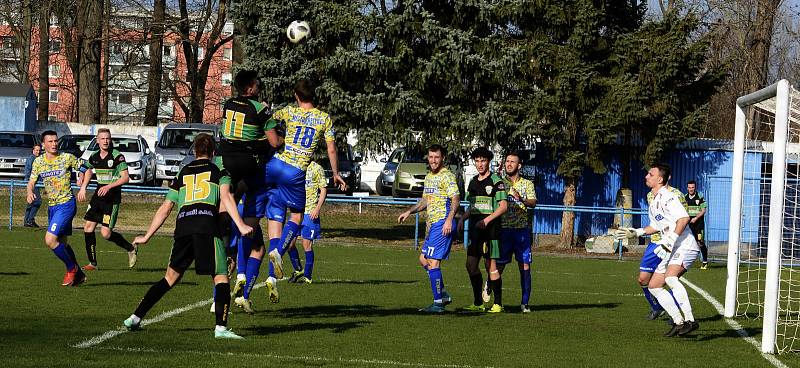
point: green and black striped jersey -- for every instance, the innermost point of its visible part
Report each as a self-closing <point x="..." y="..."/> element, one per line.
<point x="484" y="196"/>
<point x="107" y="170"/>
<point x="246" y="121"/>
<point x="196" y="191"/>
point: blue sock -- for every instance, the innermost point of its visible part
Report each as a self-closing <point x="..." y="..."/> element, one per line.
<point x="294" y="256"/>
<point x="62" y="254"/>
<point x="525" y="284"/>
<point x="273" y="244"/>
<point x="437" y="286"/>
<point x="290" y="232"/>
<point x="253" y="264"/>
<point x="242" y="254"/>
<point x="650" y="299"/>
<point x="309" y="264"/>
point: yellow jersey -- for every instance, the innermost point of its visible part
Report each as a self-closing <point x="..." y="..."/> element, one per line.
<point x="315" y="180"/>
<point x="305" y="128"/>
<point x="55" y="174"/>
<point x="439" y="188"/>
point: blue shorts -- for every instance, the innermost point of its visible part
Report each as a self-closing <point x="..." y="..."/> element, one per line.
<point x="59" y="218"/>
<point x="255" y="203"/>
<point x="310" y="229"/>
<point x="517" y="241"/>
<point x="437" y="246"/>
<point x="288" y="189"/>
<point x="649" y="260"/>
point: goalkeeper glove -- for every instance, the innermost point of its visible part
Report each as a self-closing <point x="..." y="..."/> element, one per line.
<point x="668" y="240"/>
<point x="627" y="232"/>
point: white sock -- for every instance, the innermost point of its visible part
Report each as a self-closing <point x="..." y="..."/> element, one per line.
<point x="680" y="294"/>
<point x="136" y="319"/>
<point x="272" y="280"/>
<point x="220" y="328"/>
<point x="668" y="304"/>
<point x="241" y="276"/>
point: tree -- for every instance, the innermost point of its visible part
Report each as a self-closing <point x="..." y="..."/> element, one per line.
<point x="18" y="15"/>
<point x="154" y="74"/>
<point x="44" y="60"/>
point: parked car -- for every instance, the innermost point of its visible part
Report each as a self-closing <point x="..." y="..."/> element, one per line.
<point x="74" y="143"/>
<point x="409" y="179"/>
<point x="385" y="181"/>
<point x="15" y="148"/>
<point x="349" y="169"/>
<point x="176" y="138"/>
<point x="141" y="161"/>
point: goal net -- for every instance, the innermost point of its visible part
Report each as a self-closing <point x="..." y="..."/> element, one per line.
<point x="764" y="234"/>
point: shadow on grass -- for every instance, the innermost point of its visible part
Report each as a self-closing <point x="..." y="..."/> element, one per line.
<point x="129" y="283"/>
<point x="313" y="326"/>
<point x="716" y="317"/>
<point x="400" y="232"/>
<point x="551" y="307"/>
<point x="327" y="311"/>
<point x="366" y="282"/>
<point x="14" y="273"/>
<point x="710" y="335"/>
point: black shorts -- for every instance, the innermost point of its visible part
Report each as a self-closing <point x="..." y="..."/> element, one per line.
<point x="205" y="250"/>
<point x="484" y="242"/>
<point x="698" y="230"/>
<point x="243" y="165"/>
<point x="102" y="211"/>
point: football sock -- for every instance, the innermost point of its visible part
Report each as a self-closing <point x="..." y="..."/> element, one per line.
<point x="650" y="299"/>
<point x="668" y="304"/>
<point x="152" y="297"/>
<point x="91" y="247"/>
<point x="244" y="244"/>
<point x="62" y="254"/>
<point x="290" y="232"/>
<point x="222" y="302"/>
<point x="309" y="264"/>
<point x="273" y="244"/>
<point x="497" y="290"/>
<point x="294" y="256"/>
<point x="477" y="285"/>
<point x="703" y="251"/>
<point x="71" y="254"/>
<point x="525" y="285"/>
<point x="681" y="296"/>
<point x="253" y="265"/>
<point x="435" y="275"/>
<point x="117" y="239"/>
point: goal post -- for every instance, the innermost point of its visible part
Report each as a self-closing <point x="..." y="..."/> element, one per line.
<point x="757" y="232"/>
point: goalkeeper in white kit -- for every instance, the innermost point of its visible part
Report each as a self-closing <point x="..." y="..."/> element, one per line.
<point x="677" y="248"/>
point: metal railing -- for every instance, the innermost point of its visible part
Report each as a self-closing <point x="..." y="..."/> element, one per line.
<point x="372" y="200"/>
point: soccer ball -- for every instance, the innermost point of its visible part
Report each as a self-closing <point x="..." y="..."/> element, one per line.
<point x="297" y="31"/>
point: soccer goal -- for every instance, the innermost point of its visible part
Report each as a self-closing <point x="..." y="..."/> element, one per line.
<point x="764" y="235"/>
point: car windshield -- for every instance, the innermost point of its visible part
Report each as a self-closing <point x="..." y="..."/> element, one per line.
<point x="416" y="156"/>
<point x="16" y="140"/>
<point x="179" y="138"/>
<point x="74" y="143"/>
<point x="119" y="144"/>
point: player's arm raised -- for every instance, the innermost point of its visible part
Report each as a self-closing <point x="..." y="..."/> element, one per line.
<point x="230" y="205"/>
<point x="158" y="219"/>
<point x="421" y="205"/>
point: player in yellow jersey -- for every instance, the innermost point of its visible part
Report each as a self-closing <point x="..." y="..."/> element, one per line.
<point x="55" y="169"/>
<point x="441" y="198"/>
<point x="306" y="127"/>
<point x="310" y="229"/>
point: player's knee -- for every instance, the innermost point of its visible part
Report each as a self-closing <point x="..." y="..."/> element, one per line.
<point x="88" y="227"/>
<point x="673" y="282"/>
<point x="644" y="280"/>
<point x="105" y="233"/>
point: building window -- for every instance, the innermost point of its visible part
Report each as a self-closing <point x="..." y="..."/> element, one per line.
<point x="201" y="53"/>
<point x="55" y="46"/>
<point x="125" y="98"/>
<point x="55" y="71"/>
<point x="227" y="53"/>
<point x="53" y="95"/>
<point x="7" y="42"/>
<point x="52" y="117"/>
<point x="167" y="52"/>
<point x="226" y="79"/>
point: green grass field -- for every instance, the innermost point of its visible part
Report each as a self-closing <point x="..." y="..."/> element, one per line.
<point x="360" y="311"/>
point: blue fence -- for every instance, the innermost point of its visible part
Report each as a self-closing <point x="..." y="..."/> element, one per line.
<point x="542" y="209"/>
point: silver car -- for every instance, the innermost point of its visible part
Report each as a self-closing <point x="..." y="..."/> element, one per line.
<point x="15" y="148"/>
<point x="141" y="161"/>
<point x="174" y="141"/>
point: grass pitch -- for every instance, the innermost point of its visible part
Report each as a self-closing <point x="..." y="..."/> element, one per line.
<point x="361" y="311"/>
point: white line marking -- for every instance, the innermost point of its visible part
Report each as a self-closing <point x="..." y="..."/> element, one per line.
<point x="306" y="358"/>
<point x="735" y="325"/>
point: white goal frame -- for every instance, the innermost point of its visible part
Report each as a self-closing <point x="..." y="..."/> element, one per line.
<point x="781" y="92"/>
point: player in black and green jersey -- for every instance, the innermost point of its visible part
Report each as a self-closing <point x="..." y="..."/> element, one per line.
<point x="111" y="170"/>
<point x="696" y="208"/>
<point x="200" y="190"/>
<point x="486" y="194"/>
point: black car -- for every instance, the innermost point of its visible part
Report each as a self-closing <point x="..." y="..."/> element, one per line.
<point x="349" y="169"/>
<point x="74" y="143"/>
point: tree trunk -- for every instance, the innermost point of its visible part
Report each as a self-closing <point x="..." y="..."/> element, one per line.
<point x="44" y="61"/>
<point x="105" y="61"/>
<point x="156" y="65"/>
<point x="758" y="73"/>
<point x="89" y="85"/>
<point x="567" y="217"/>
<point x="24" y="41"/>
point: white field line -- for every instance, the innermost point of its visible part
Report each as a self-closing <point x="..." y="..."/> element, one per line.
<point x="304" y="358"/>
<point x="734" y="325"/>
